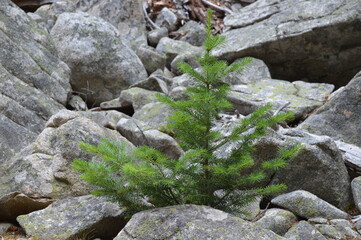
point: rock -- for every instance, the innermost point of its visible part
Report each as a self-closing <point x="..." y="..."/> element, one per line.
<point x="356" y="191"/>
<point x="318" y="220"/>
<point x="172" y="48"/>
<point x="298" y="39"/>
<point x="34" y="83"/>
<point x="77" y="103"/>
<point x="187" y="58"/>
<point x="14" y="204"/>
<point x="277" y="220"/>
<point x="111" y="105"/>
<point x="155" y="35"/>
<point x="250" y="211"/>
<point x="352" y="156"/>
<point x="155" y="115"/>
<point x="302" y="97"/>
<point x="42" y="169"/>
<point x="101" y="64"/>
<point x="339" y="117"/>
<point x="136" y="132"/>
<point x="4" y="227"/>
<point x="126" y="16"/>
<point x="345" y="227"/>
<point x="166" y="18"/>
<point x="191" y="222"/>
<point x="153" y="83"/>
<point x="137" y="97"/>
<point x="304" y="231"/>
<point x="328" y="231"/>
<point x="71" y="217"/>
<point x="308" y="205"/>
<point x="193" y="33"/>
<point x="151" y="59"/>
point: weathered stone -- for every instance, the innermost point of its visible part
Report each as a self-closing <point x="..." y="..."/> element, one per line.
<point x="151" y="59"/>
<point x="329" y="231"/>
<point x="153" y="83"/>
<point x="43" y="168"/>
<point x="340" y="117"/>
<point x="101" y="64"/>
<point x="356" y="191"/>
<point x="277" y="220"/>
<point x="75" y="217"/>
<point x="155" y="35"/>
<point x="352" y="156"/>
<point x="308" y="205"/>
<point x="14" y="204"/>
<point x="318" y="220"/>
<point x="137" y="97"/>
<point x="304" y="231"/>
<point x="77" y="103"/>
<point x="34" y="83"/>
<point x="136" y="132"/>
<point x="298" y="39"/>
<point x="126" y="16"/>
<point x="191" y="222"/>
<point x="166" y="18"/>
<point x="193" y="33"/>
<point x="187" y="58"/>
<point x="155" y="115"/>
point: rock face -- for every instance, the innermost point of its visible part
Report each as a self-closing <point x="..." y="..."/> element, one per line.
<point x="277" y="220"/>
<point x="101" y="64"/>
<point x="340" y="116"/>
<point x="308" y="205"/>
<point x="304" y="231"/>
<point x="298" y="39"/>
<point x="34" y="83"/>
<point x="125" y="15"/>
<point x="43" y="168"/>
<point x="74" y="217"/>
<point x="191" y="222"/>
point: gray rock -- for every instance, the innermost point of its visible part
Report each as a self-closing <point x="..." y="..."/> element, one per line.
<point x="151" y="59"/>
<point x="74" y="217"/>
<point x="277" y="220"/>
<point x="4" y="227"/>
<point x="153" y="83"/>
<point x="302" y="97"/>
<point x="126" y="16"/>
<point x="166" y="18"/>
<point x="339" y="117"/>
<point x="286" y="35"/>
<point x="114" y="104"/>
<point x="137" y="97"/>
<point x="101" y="64"/>
<point x="136" y="132"/>
<point x="352" y="156"/>
<point x="329" y="231"/>
<point x="308" y="205"/>
<point x="34" y="83"/>
<point x="304" y="231"/>
<point x="187" y="58"/>
<point x="172" y="48"/>
<point x="318" y="220"/>
<point x="42" y="169"/>
<point x="191" y="222"/>
<point x="155" y="35"/>
<point x="155" y="115"/>
<point x="14" y="204"/>
<point x="77" y="103"/>
<point x="193" y="33"/>
<point x="356" y="191"/>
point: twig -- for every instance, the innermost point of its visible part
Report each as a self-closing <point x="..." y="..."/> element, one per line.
<point x="155" y="26"/>
<point x="224" y="9"/>
<point x="281" y="108"/>
<point x="260" y="214"/>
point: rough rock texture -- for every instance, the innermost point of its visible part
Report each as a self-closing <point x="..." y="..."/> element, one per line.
<point x="319" y="40"/>
<point x="155" y="35"/>
<point x="75" y="217"/>
<point x="277" y="220"/>
<point x="34" y="83"/>
<point x="125" y="15"/>
<point x="193" y="33"/>
<point x="356" y="191"/>
<point x="140" y="134"/>
<point x="352" y="156"/>
<point x="43" y="168"/>
<point x="137" y="97"/>
<point x="166" y="18"/>
<point x="101" y="64"/>
<point x="308" y="205"/>
<point x="154" y="115"/>
<point x="151" y="59"/>
<point x="304" y="231"/>
<point x="153" y="83"/>
<point x="191" y="222"/>
<point x="14" y="204"/>
<point x="339" y="117"/>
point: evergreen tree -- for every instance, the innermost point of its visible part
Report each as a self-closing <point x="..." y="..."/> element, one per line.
<point x="145" y="178"/>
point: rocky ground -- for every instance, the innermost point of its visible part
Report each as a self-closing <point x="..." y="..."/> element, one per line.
<point x="81" y="70"/>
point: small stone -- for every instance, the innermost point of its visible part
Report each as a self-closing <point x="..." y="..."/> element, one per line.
<point x="318" y="220"/>
<point x="166" y="18"/>
<point x="155" y="35"/>
<point x="277" y="220"/>
<point x="151" y="59"/>
<point x="304" y="231"/>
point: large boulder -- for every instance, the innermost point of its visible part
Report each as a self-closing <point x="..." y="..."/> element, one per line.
<point x="75" y="217"/>
<point x="101" y="64"/>
<point x="42" y="169"/>
<point x="191" y="222"/>
<point x="318" y="40"/>
<point x="34" y="83"/>
<point x="340" y="116"/>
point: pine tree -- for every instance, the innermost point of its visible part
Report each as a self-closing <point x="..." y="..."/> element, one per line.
<point x="145" y="178"/>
